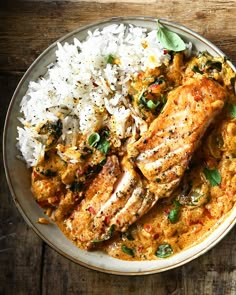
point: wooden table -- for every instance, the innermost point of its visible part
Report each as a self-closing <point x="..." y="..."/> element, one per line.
<point x="27" y="264"/>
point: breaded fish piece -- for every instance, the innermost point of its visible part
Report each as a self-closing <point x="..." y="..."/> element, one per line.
<point x="162" y="154"/>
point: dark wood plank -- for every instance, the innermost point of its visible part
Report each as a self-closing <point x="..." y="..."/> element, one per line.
<point x="41" y="23"/>
<point x="20" y="247"/>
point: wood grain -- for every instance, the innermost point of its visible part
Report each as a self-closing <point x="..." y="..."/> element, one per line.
<point x="27" y="264"/>
<point x="40" y="25"/>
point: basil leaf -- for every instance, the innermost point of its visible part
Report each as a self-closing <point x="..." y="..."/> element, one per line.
<point x="93" y="139"/>
<point x="127" y="250"/>
<point x="213" y="176"/>
<point x="169" y="39"/>
<point x="232" y="111"/>
<point x="164" y="251"/>
<point x="103" y="146"/>
<point x="174" y="213"/>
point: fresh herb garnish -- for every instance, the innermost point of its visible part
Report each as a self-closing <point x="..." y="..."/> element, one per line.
<point x="164" y="251"/>
<point x="127" y="250"/>
<point x="214" y="65"/>
<point x="213" y="176"/>
<point x="111" y="230"/>
<point x="152" y="105"/>
<point x="174" y="213"/>
<point x="53" y="130"/>
<point x="149" y="104"/>
<point x="169" y="40"/>
<point x="93" y="139"/>
<point x="77" y="186"/>
<point x="109" y="234"/>
<point x="110" y="59"/>
<point x="129" y="236"/>
<point x="232" y="111"/>
<point x="103" y="145"/>
<point x="195" y="69"/>
<point x="99" y="142"/>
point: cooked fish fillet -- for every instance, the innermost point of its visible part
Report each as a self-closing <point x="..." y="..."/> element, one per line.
<point x="98" y="193"/>
<point x="115" y="199"/>
<point x="163" y="153"/>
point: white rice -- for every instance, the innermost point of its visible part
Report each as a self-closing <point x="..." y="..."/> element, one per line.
<point x="86" y="84"/>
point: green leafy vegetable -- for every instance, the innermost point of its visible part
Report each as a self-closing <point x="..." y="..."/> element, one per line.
<point x="169" y="39"/>
<point x="127" y="250"/>
<point x="174" y="213"/>
<point x="93" y="139"/>
<point x="164" y="251"/>
<point x="232" y="111"/>
<point x="213" y="176"/>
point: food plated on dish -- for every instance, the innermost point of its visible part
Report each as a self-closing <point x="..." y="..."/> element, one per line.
<point x="129" y="136"/>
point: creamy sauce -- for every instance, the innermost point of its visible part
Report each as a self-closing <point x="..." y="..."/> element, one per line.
<point x="207" y="191"/>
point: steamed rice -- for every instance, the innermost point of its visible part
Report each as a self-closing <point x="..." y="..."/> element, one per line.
<point x="85" y="91"/>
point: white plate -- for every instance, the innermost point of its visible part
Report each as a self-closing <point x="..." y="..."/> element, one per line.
<point x="18" y="175"/>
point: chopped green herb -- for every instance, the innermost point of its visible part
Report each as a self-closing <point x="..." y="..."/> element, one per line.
<point x="213" y="176"/>
<point x="99" y="141"/>
<point x="147" y="103"/>
<point x="103" y="145"/>
<point x="174" y="213"/>
<point x="53" y="130"/>
<point x="96" y="168"/>
<point x="214" y="65"/>
<point x="151" y="105"/>
<point x="195" y="69"/>
<point x="98" y="241"/>
<point x="111" y="230"/>
<point x="93" y="139"/>
<point x="77" y="186"/>
<point x="110" y="59"/>
<point x="129" y="236"/>
<point x="169" y="39"/>
<point x="232" y="111"/>
<point x="127" y="250"/>
<point x="164" y="251"/>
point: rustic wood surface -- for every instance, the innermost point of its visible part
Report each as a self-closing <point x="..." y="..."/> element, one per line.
<point x="27" y="264"/>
